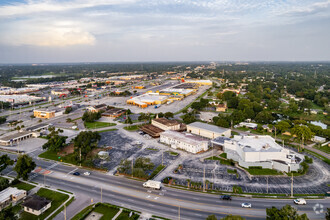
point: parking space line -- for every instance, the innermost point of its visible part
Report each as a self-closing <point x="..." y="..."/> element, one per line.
<point x="72" y="171"/>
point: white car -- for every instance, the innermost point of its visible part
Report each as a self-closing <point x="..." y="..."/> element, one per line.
<point x="246" y="205"/>
<point x="87" y="173"/>
<point x="300" y="201"/>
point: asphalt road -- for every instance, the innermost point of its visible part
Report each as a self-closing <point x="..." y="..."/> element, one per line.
<point x="166" y="202"/>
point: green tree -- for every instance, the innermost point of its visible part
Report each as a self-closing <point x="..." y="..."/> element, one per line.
<point x="302" y="131"/>
<point x="222" y="123"/>
<point x="188" y="118"/>
<point x="232" y="217"/>
<point x="5" y="161"/>
<point x="24" y="166"/>
<point x="228" y="95"/>
<point x="4" y="183"/>
<point x="264" y="117"/>
<point x="2" y="120"/>
<point x="8" y="213"/>
<point x="327" y="214"/>
<point x="85" y="142"/>
<point x="211" y="217"/>
<point x="169" y="115"/>
<point x="55" y="143"/>
<point x="68" y="110"/>
<point x="286" y="212"/>
<point x="128" y="120"/>
<point x="273" y="104"/>
<point x="282" y="126"/>
<point x="91" y="116"/>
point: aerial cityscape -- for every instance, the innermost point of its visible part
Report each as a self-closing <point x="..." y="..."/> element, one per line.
<point x="158" y="110"/>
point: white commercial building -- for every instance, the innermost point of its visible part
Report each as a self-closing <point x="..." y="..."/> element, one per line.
<point x="11" y="194"/>
<point x="261" y="151"/>
<point x="185" y="141"/>
<point x="207" y="130"/>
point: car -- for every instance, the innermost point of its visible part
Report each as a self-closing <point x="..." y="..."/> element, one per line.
<point x="76" y="174"/>
<point x="225" y="197"/>
<point x="300" y="201"/>
<point x="87" y="173"/>
<point x="246" y="205"/>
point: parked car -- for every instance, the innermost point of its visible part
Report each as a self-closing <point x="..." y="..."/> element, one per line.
<point x="300" y="201"/>
<point x="246" y="205"/>
<point x="76" y="174"/>
<point x="225" y="197"/>
<point x="87" y="173"/>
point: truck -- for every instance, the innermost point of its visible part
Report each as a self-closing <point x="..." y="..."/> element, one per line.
<point x="152" y="184"/>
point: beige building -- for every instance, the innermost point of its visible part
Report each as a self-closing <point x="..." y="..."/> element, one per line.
<point x="9" y="195"/>
<point x="166" y="124"/>
<point x="184" y="141"/>
<point x="44" y="113"/>
<point x="36" y="205"/>
<point x="14" y="137"/>
<point x="207" y="130"/>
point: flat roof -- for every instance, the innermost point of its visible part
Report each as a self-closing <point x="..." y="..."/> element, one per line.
<point x="166" y="121"/>
<point x="4" y="194"/>
<point x="15" y="135"/>
<point x="208" y="127"/>
<point x="262" y="143"/>
<point x="184" y="137"/>
<point x="37" y="127"/>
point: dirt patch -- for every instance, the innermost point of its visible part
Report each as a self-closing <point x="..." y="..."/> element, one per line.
<point x="67" y="150"/>
<point x="95" y="151"/>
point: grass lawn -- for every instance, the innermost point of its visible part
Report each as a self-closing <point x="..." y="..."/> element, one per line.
<point x="173" y="153"/>
<point x="83" y="213"/>
<point x="124" y="215"/>
<point x="106" y="130"/>
<point x="53" y="156"/>
<point x="153" y="149"/>
<point x="156" y="171"/>
<point x="56" y="198"/>
<point x="318" y="156"/>
<point x="258" y="171"/>
<point x="107" y="211"/>
<point x="24" y="186"/>
<point x="98" y="124"/>
<point x="222" y="161"/>
<point x="324" y="148"/>
<point x="223" y="155"/>
<point x="132" y="127"/>
<point x="232" y="171"/>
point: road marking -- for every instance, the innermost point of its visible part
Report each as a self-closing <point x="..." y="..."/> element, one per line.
<point x="72" y="171"/>
<point x="148" y="196"/>
<point x="156" y="197"/>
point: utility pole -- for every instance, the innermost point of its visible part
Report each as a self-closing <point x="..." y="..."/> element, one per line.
<point x="163" y="158"/>
<point x="80" y="155"/>
<point x="275" y="133"/>
<point x="132" y="167"/>
<point x="101" y="194"/>
<point x="291" y="185"/>
<point x="204" y="180"/>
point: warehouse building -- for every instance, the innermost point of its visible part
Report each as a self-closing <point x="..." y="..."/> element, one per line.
<point x="48" y="113"/>
<point x="261" y="151"/>
<point x="207" y="130"/>
<point x="97" y="108"/>
<point x="113" y="113"/>
<point x="184" y="141"/>
<point x="147" y="99"/>
<point x="151" y="130"/>
<point x="17" y="137"/>
<point x="166" y="124"/>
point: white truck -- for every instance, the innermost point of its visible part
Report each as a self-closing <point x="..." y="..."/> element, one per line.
<point x="153" y="184"/>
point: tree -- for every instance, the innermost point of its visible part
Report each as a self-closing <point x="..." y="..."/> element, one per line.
<point x="5" y="161"/>
<point x="24" y="166"/>
<point x="302" y="131"/>
<point x="282" y="126"/>
<point x="91" y="116"/>
<point x="8" y="213"/>
<point x="85" y="142"/>
<point x="2" y="120"/>
<point x="68" y="110"/>
<point x="128" y="120"/>
<point x="273" y="104"/>
<point x="327" y="214"/>
<point x="223" y="123"/>
<point x="4" y="183"/>
<point x="55" y="143"/>
<point x="228" y="95"/>
<point x="211" y="217"/>
<point x="232" y="217"/>
<point x="169" y="115"/>
<point x="286" y="212"/>
<point x="188" y="118"/>
<point x="264" y="117"/>
<point x="128" y="111"/>
<point x="68" y="120"/>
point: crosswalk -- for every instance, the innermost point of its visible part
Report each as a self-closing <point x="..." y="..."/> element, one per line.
<point x="48" y="168"/>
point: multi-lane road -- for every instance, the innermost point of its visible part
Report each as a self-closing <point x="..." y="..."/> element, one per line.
<point x="168" y="202"/>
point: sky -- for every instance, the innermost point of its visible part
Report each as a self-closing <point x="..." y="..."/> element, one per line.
<point x="56" y="31"/>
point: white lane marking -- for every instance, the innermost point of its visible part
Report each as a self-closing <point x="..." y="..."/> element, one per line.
<point x="148" y="196"/>
<point x="156" y="197"/>
<point x="72" y="171"/>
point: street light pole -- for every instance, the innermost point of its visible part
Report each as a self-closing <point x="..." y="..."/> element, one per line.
<point x="132" y="167"/>
<point x="204" y="180"/>
<point x="101" y="194"/>
<point x="292" y="185"/>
